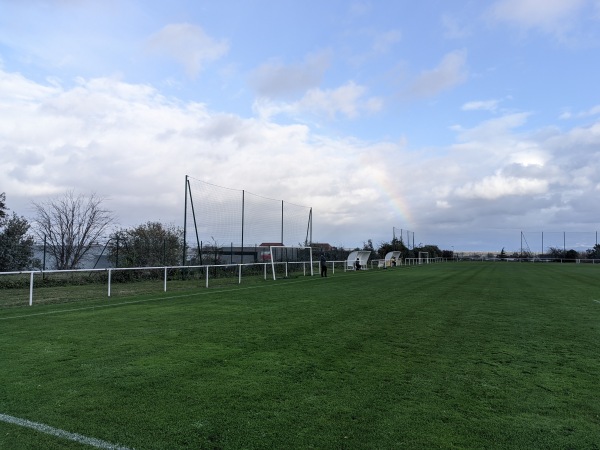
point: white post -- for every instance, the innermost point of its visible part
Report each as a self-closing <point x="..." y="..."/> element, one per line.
<point x="240" y="274"/>
<point x="109" y="278"/>
<point x="31" y="289"/>
<point x="265" y="270"/>
<point x="286" y="269"/>
<point x="206" y="267"/>
<point x="165" y="286"/>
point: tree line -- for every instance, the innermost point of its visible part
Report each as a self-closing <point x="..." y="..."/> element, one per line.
<point x="71" y="225"/>
<point x="398" y="245"/>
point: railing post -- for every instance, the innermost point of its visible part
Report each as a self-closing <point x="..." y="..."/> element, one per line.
<point x="109" y="279"/>
<point x="206" y="270"/>
<point x="165" y="287"/>
<point x="31" y="289"/>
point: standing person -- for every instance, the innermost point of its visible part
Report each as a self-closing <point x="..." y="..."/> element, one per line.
<point x="393" y="261"/>
<point x="323" y="266"/>
<point x="357" y="263"/>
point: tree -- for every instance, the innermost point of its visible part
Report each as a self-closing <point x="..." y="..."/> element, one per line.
<point x="395" y="245"/>
<point x="556" y="252"/>
<point x="572" y="254"/>
<point x="16" y="246"/>
<point x="70" y="225"/>
<point x="147" y="245"/>
<point x="593" y="253"/>
<point x="433" y="250"/>
<point x="3" y="207"/>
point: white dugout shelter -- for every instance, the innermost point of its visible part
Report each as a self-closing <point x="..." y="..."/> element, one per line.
<point x="363" y="258"/>
<point x="387" y="262"/>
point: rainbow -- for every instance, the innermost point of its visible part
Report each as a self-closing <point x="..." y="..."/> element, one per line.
<point x="390" y="193"/>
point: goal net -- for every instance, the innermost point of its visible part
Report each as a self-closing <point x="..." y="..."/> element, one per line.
<point x="224" y="218"/>
<point x="289" y="262"/>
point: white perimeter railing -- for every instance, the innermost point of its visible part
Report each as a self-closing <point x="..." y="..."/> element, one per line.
<point x="284" y="267"/>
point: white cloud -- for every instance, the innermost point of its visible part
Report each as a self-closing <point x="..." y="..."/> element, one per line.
<point x="548" y="15"/>
<point x="187" y="44"/>
<point x="498" y="185"/>
<point x="133" y="146"/>
<point x="359" y="8"/>
<point x="277" y="80"/>
<point x="451" y="71"/>
<point x="593" y="111"/>
<point x="348" y="100"/>
<point x="453" y="29"/>
<point x="383" y="42"/>
<point x="481" y="105"/>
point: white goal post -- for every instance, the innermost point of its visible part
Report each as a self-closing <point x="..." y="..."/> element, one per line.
<point x="295" y="255"/>
<point x="423" y="257"/>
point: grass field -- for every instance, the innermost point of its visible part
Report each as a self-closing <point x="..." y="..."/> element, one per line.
<point x="452" y="356"/>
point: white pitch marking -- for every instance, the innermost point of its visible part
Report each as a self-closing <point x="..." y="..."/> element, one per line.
<point x="61" y="433"/>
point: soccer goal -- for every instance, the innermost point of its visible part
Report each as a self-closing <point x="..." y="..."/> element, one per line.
<point x="423" y="257"/>
<point x="288" y="261"/>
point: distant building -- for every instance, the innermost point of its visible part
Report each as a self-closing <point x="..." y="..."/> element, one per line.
<point x="322" y="246"/>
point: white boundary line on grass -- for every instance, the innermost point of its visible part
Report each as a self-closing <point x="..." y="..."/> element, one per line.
<point x="61" y="433"/>
<point x="597" y="301"/>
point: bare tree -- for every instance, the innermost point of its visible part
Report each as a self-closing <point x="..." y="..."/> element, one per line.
<point x="70" y="225"/>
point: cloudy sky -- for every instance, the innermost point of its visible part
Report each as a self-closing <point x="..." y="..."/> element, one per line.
<point x="466" y="122"/>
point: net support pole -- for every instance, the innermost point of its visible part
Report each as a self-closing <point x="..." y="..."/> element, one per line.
<point x="307" y="242"/>
<point x="243" y="201"/>
<point x="195" y="223"/>
<point x="185" y="220"/>
<point x="281" y="222"/>
<point x="521" y="244"/>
